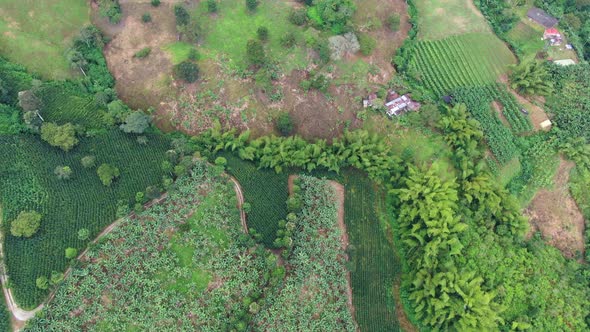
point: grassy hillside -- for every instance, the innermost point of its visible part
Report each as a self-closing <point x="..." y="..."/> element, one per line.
<point x="439" y="19"/>
<point x="37" y="33"/>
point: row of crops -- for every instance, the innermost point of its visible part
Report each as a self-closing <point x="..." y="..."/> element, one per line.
<point x="266" y="192"/>
<point x="457" y="61"/>
<point x="499" y="138"/>
<point x="27" y="182"/>
<point x="63" y="104"/>
<point x="519" y="122"/>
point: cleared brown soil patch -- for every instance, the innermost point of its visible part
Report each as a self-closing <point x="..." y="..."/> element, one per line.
<point x="500" y="111"/>
<point x="536" y="113"/>
<point x="402" y="317"/>
<point x="556" y="215"/>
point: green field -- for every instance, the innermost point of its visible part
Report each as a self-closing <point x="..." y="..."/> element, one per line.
<point x="226" y="33"/>
<point x="527" y="39"/>
<point x="179" y="51"/>
<point x="4" y="316"/>
<point x="374" y="262"/>
<point x="158" y="265"/>
<point x="27" y="182"/>
<point x="267" y="193"/>
<point x="38" y="33"/>
<point x="465" y="60"/>
<point x="438" y="19"/>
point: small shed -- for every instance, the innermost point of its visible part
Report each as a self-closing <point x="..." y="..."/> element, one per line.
<point x="541" y="17"/>
<point x="546" y="125"/>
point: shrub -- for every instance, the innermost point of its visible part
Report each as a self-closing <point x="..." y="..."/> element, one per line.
<point x="107" y="173"/>
<point x="262" y="33"/>
<point x="252" y="4"/>
<point x="187" y="71"/>
<point x="220" y="161"/>
<point x="298" y="16"/>
<point x="63" y="172"/>
<point x="285" y="124"/>
<point x="193" y="54"/>
<point x="63" y="136"/>
<point x="288" y="40"/>
<point x="88" y="161"/>
<point x="212" y="6"/>
<point x="181" y="15"/>
<point x="42" y="282"/>
<point x="144" y="52"/>
<point x="83" y="234"/>
<point x="136" y="123"/>
<point x="146" y="17"/>
<point x="155" y="3"/>
<point x="255" y="52"/>
<point x="71" y="253"/>
<point x="393" y="22"/>
<point x="26" y="224"/>
<point x="367" y="44"/>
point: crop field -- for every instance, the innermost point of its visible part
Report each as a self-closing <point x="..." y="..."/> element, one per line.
<point x="313" y="295"/>
<point x="27" y="182"/>
<point x="267" y="193"/>
<point x="374" y="262"/>
<point x="61" y="105"/>
<point x="498" y="137"/>
<point x="38" y="33"/>
<point x="158" y="265"/>
<point x="4" y="317"/>
<point x="227" y="32"/>
<point x="466" y="60"/>
<point x="439" y="19"/>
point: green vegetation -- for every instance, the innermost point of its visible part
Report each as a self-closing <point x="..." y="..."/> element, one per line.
<point x="266" y="192"/>
<point x="26" y="224"/>
<point x="143" y="53"/>
<point x="316" y="258"/>
<point x="180" y="51"/>
<point x="161" y="277"/>
<point x="285" y="124"/>
<point x="465" y="60"/>
<point x="31" y="35"/>
<point x="187" y="71"/>
<point x="531" y="78"/>
<point x="110" y="9"/>
<point x="5" y="325"/>
<point x="63" y="137"/>
<point x="439" y="19"/>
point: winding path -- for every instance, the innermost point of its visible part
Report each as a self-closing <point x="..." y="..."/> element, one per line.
<point x="21" y="316"/>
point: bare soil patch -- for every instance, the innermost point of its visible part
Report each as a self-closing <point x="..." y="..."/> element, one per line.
<point x="500" y="111"/>
<point x="556" y="215"/>
<point x="536" y="113"/>
<point x="402" y="317"/>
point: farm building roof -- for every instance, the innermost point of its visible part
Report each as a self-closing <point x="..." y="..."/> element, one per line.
<point x="539" y="16"/>
<point x="551" y="31"/>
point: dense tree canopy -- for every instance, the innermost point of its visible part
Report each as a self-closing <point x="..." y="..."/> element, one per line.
<point x="26" y="224"/>
<point x="63" y="136"/>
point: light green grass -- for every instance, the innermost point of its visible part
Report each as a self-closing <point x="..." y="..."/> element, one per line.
<point x="438" y="19"/>
<point x="527" y="39"/>
<point x="226" y="34"/>
<point x="38" y="33"/>
<point x="509" y="171"/>
<point x="179" y="51"/>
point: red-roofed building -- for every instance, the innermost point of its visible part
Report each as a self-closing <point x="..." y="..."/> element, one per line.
<point x="553" y="36"/>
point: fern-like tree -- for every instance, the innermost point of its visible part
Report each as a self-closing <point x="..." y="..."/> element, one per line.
<point x="531" y="78"/>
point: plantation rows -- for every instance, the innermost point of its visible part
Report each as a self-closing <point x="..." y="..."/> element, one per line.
<point x="152" y="266"/>
<point x="374" y="264"/>
<point x="27" y="182"/>
<point x="499" y="138"/>
<point x="519" y="122"/>
<point x="62" y="105"/>
<point x="464" y="60"/>
<point x="266" y="192"/>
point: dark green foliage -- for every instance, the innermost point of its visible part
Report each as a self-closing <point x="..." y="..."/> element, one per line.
<point x="10" y="120"/>
<point x="5" y="325"/>
<point x="14" y="79"/>
<point x="298" y="16"/>
<point x="266" y="192"/>
<point x="110" y="9"/>
<point x="212" y="6"/>
<point x="262" y="33"/>
<point x="335" y="14"/>
<point x="181" y="15"/>
<point x="570" y="103"/>
<point x="27" y="183"/>
<point x="255" y="52"/>
<point x="143" y="53"/>
<point x="288" y="40"/>
<point x="146" y="17"/>
<point x="252" y="4"/>
<point x="89" y="45"/>
<point x="285" y="124"/>
<point x="531" y="78"/>
<point x="187" y="71"/>
<point x="393" y="22"/>
<point x="498" y="14"/>
<point x="155" y="3"/>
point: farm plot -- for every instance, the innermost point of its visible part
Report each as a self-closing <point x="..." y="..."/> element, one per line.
<point x="180" y="265"/>
<point x="314" y="294"/>
<point x="27" y="182"/>
<point x="466" y="60"/>
<point x="374" y="265"/>
<point x="498" y="137"/>
<point x="265" y="191"/>
<point x="439" y="19"/>
<point x="38" y="33"/>
<point x="63" y="104"/>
